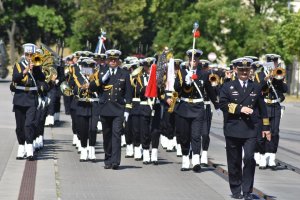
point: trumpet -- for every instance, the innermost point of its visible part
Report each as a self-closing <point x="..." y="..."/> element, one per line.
<point x="279" y="73"/>
<point x="214" y="79"/>
<point x="174" y="99"/>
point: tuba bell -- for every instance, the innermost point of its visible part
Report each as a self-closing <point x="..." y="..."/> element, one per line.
<point x="214" y="79"/>
<point x="49" y="73"/>
<point x="37" y="59"/>
<point x="279" y="73"/>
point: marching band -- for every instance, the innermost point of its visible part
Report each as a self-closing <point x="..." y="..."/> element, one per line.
<point x="150" y="100"/>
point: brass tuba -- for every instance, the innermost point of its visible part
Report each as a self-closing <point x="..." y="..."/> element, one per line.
<point x="37" y="59"/>
<point x="66" y="89"/>
<point x="174" y="99"/>
<point x="279" y="73"/>
<point x="214" y="79"/>
<point x="49" y="73"/>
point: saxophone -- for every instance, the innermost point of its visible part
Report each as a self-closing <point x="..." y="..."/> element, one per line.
<point x="174" y="100"/>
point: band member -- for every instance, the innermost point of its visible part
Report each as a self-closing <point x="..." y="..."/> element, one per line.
<point x="145" y="110"/>
<point x="191" y="110"/>
<point x="274" y="87"/>
<point x="67" y="76"/>
<point x="168" y="103"/>
<point x="133" y="141"/>
<point x="87" y="110"/>
<point x="244" y="110"/>
<point x="115" y="103"/>
<point x="214" y="80"/>
<point x="43" y="103"/>
<point x="25" y="101"/>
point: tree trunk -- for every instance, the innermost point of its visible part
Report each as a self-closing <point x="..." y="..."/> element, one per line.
<point x="11" y="34"/>
<point x="1" y="6"/>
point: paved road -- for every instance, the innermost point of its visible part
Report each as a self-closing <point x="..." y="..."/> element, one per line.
<point x="60" y="175"/>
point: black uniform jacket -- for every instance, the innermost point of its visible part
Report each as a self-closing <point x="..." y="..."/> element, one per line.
<point x="21" y="97"/>
<point x="232" y="99"/>
<point x="115" y="93"/>
<point x="274" y="109"/>
<point x="189" y="109"/>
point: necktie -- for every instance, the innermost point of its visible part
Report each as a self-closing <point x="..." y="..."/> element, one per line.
<point x="112" y="72"/>
<point x="244" y="86"/>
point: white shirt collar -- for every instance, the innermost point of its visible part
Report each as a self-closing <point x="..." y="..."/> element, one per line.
<point x="115" y="70"/>
<point x="242" y="82"/>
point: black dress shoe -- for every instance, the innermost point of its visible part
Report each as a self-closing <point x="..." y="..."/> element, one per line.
<point x="107" y="167"/>
<point x="184" y="169"/>
<point x="262" y="168"/>
<point x="273" y="167"/>
<point x="197" y="168"/>
<point x="30" y="158"/>
<point x="248" y="196"/>
<point x="115" y="167"/>
<point x="129" y="156"/>
<point x="155" y="162"/>
<point x="237" y="196"/>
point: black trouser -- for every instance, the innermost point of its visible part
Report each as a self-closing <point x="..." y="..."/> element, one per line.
<point x="87" y="129"/>
<point x="265" y="146"/>
<point x="128" y="131"/>
<point x="112" y="127"/>
<point x="168" y="125"/>
<point x="40" y="121"/>
<point x="73" y="118"/>
<point x="206" y="128"/>
<point x="145" y="131"/>
<point x="54" y="106"/>
<point x="136" y="131"/>
<point x="190" y="133"/>
<point x="67" y="103"/>
<point x="272" y="146"/>
<point x="25" y="120"/>
<point x="177" y="132"/>
<point x="240" y="179"/>
<point x="155" y="126"/>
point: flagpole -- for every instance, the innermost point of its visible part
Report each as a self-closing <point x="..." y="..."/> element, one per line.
<point x="195" y="28"/>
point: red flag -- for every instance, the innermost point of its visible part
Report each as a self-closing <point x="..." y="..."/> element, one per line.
<point x="151" y="89"/>
<point x="196" y="34"/>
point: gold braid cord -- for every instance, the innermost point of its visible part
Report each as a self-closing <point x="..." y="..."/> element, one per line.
<point x="232" y="107"/>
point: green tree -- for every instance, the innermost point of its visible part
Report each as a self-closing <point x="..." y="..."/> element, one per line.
<point x="122" y="20"/>
<point x="51" y="24"/>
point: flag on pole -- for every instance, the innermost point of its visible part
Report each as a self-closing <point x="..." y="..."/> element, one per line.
<point x="151" y="89"/>
<point x="196" y="31"/>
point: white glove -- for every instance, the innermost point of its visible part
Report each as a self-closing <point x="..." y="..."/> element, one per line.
<point x="188" y="80"/>
<point x="218" y="112"/>
<point x="126" y="115"/>
<point x="106" y="76"/>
